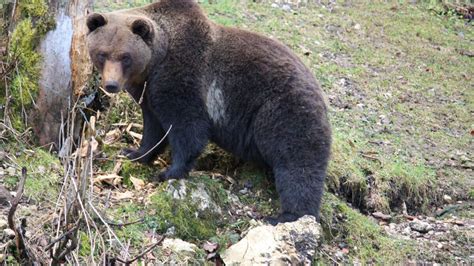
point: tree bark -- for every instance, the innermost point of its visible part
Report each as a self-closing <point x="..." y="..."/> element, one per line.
<point x="65" y="71"/>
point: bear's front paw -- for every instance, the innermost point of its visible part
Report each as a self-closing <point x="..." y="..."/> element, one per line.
<point x="133" y="155"/>
<point x="170" y="174"/>
<point x="128" y="152"/>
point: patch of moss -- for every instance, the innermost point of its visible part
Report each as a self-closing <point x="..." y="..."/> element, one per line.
<point x="136" y="170"/>
<point x="43" y="170"/>
<point x="367" y="242"/>
<point x="84" y="244"/>
<point x="34" y="23"/>
<point x="189" y="223"/>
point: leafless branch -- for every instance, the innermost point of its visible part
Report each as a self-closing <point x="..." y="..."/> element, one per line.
<point x="128" y="262"/>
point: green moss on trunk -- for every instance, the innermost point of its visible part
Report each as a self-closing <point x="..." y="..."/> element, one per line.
<point x="23" y="54"/>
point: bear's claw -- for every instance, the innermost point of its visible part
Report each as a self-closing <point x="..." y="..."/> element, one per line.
<point x="169" y="174"/>
<point x="133" y="154"/>
<point x="282" y="218"/>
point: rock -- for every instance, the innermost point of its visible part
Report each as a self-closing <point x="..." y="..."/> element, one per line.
<point x="244" y="191"/>
<point x="177" y="188"/>
<point x="292" y="243"/>
<point x="5" y="197"/>
<point x="171" y="231"/>
<point x="381" y="216"/>
<point x="9" y="233"/>
<point x="205" y="202"/>
<point x="179" y="246"/>
<point x="178" y="252"/>
<point x="447" y="199"/>
<point x="286" y="7"/>
<point x="11" y="171"/>
<point x="180" y="190"/>
<point x="357" y="26"/>
<point x="3" y="224"/>
<point x="421" y="226"/>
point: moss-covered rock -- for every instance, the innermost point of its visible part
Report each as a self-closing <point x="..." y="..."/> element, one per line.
<point x="190" y="209"/>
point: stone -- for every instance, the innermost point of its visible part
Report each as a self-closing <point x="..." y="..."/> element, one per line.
<point x="179" y="246"/>
<point x="5" y="196"/>
<point x="292" y="243"/>
<point x="3" y="224"/>
<point x="382" y="216"/>
<point x="421" y="226"/>
<point x="9" y="233"/>
<point x="205" y="202"/>
<point x="177" y="189"/>
<point x="447" y="199"/>
<point x="286" y="7"/>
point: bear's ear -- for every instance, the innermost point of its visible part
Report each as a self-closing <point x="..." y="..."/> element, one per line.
<point x="143" y="29"/>
<point x="95" y="21"/>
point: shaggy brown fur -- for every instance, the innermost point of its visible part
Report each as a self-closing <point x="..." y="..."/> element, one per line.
<point x="247" y="93"/>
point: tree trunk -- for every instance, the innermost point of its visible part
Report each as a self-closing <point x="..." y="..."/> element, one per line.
<point x="65" y="71"/>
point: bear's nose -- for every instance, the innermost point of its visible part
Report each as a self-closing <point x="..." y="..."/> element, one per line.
<point x="112" y="86"/>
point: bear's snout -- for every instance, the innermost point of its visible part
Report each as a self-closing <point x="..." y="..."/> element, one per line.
<point x="112" y="86"/>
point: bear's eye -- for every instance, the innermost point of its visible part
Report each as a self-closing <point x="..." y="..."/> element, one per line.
<point x="101" y="57"/>
<point x="126" y="60"/>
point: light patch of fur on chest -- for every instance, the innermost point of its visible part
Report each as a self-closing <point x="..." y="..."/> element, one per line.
<point x="215" y="103"/>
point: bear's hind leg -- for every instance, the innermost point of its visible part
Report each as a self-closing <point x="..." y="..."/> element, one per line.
<point x="300" y="190"/>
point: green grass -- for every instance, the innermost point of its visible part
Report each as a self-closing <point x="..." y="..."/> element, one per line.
<point x="367" y="241"/>
<point x="43" y="175"/>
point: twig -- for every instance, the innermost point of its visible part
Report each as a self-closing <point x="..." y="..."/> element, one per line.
<point x="125" y="224"/>
<point x="154" y="147"/>
<point x="370" y="157"/>
<point x="20" y="244"/>
<point x="128" y="262"/>
<point x="106" y="224"/>
<point x="13" y="10"/>
<point x="50" y="245"/>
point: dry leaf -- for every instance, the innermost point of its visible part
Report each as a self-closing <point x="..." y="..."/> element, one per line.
<point x="92" y="121"/>
<point x="210" y="247"/>
<point x="84" y="148"/>
<point x="92" y="143"/>
<point x="138" y="184"/>
<point x="123" y="195"/>
<point x="111" y="179"/>
<point x="136" y="125"/>
<point x="112" y="136"/>
<point x="117" y="167"/>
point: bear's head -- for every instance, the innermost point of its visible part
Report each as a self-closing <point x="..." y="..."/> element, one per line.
<point x="122" y="47"/>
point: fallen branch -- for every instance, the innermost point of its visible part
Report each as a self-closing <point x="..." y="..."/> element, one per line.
<point x="124" y="224"/>
<point x="67" y="234"/>
<point x="128" y="262"/>
<point x="19" y="241"/>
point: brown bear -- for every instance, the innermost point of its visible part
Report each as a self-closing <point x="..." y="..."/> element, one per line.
<point x="249" y="94"/>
